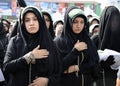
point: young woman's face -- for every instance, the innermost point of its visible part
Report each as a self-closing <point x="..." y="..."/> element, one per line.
<point x="94" y="22"/>
<point x="31" y="23"/>
<point x="47" y="21"/>
<point x="78" y="25"/>
<point x="59" y="29"/>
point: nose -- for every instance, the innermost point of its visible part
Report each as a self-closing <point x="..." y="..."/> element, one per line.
<point x="79" y="24"/>
<point x="31" y="22"/>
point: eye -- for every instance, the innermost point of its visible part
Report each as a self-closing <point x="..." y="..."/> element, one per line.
<point x="81" y="22"/>
<point x="27" y="20"/>
<point x="35" y="18"/>
<point x="75" y="22"/>
<point x="47" y="20"/>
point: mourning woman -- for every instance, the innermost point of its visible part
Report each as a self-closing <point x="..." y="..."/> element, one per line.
<point x="29" y="59"/>
<point x="109" y="39"/>
<point x="49" y="23"/>
<point x="79" y="56"/>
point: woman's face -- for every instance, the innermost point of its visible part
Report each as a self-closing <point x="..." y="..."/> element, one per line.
<point x="59" y="29"/>
<point x="78" y="25"/>
<point x="47" y="21"/>
<point x="31" y="23"/>
<point x="94" y="22"/>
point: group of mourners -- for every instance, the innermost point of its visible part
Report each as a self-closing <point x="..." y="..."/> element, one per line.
<point x="33" y="55"/>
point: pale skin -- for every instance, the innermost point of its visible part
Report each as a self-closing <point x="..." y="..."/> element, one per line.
<point x="32" y="26"/>
<point x="5" y="25"/>
<point x="47" y="21"/>
<point x="59" y="29"/>
<point x="118" y="82"/>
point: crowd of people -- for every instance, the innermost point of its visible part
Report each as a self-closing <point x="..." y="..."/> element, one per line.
<point x="39" y="52"/>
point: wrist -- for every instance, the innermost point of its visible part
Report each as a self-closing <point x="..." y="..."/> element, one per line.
<point x="29" y="57"/>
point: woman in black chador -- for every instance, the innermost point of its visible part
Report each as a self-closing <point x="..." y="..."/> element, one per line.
<point x="3" y="46"/>
<point x="29" y="59"/>
<point x="80" y="60"/>
<point x="109" y="39"/>
<point x="49" y="23"/>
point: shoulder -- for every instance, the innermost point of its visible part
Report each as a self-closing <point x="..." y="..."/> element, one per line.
<point x="15" y="39"/>
<point x="59" y="40"/>
<point x="94" y="36"/>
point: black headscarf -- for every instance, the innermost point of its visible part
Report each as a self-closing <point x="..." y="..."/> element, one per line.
<point x="110" y="29"/>
<point x="2" y="31"/>
<point x="21" y="3"/>
<point x="68" y="38"/>
<point x="42" y="38"/>
<point x="57" y="22"/>
<point x="51" y="23"/>
<point x="8" y="23"/>
<point x="42" y="35"/>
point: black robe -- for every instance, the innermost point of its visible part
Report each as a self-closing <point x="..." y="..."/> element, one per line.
<point x="88" y="64"/>
<point x="51" y="31"/>
<point x="109" y="39"/>
<point x="16" y="67"/>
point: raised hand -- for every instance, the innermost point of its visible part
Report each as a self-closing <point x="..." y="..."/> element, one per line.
<point x="40" y="53"/>
<point x="80" y="45"/>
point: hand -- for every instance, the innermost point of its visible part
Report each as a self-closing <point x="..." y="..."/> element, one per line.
<point x="106" y="64"/>
<point x="80" y="46"/>
<point x="41" y="81"/>
<point x="40" y="53"/>
<point x="72" y="68"/>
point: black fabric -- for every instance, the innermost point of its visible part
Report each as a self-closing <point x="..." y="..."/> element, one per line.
<point x="2" y="30"/>
<point x="8" y="23"/>
<point x="66" y="42"/>
<point x="3" y="43"/>
<point x="110" y="29"/>
<point x="109" y="39"/>
<point x="72" y="80"/>
<point x="109" y="61"/>
<point x="21" y="3"/>
<point x="51" y="24"/>
<point x="15" y="30"/>
<point x="95" y="40"/>
<point x="57" y="22"/>
<point x="16" y="66"/>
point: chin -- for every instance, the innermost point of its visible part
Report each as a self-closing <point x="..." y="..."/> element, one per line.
<point x="32" y="32"/>
<point x="78" y="32"/>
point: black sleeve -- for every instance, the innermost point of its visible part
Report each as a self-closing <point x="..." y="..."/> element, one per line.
<point x="70" y="58"/>
<point x="56" y="70"/>
<point x="13" y="64"/>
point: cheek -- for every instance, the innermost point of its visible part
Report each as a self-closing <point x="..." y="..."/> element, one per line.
<point x="48" y="24"/>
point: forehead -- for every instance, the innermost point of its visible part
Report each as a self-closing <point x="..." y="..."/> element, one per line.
<point x="29" y="14"/>
<point x="78" y="18"/>
<point x="46" y="16"/>
<point x="4" y="21"/>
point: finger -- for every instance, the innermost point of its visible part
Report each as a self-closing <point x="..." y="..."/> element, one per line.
<point x="44" y="56"/>
<point x="37" y="79"/>
<point x="78" y="41"/>
<point x="37" y="47"/>
<point x="32" y="84"/>
<point x="44" y="52"/>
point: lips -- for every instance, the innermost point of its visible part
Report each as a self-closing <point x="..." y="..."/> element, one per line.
<point x="32" y="28"/>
